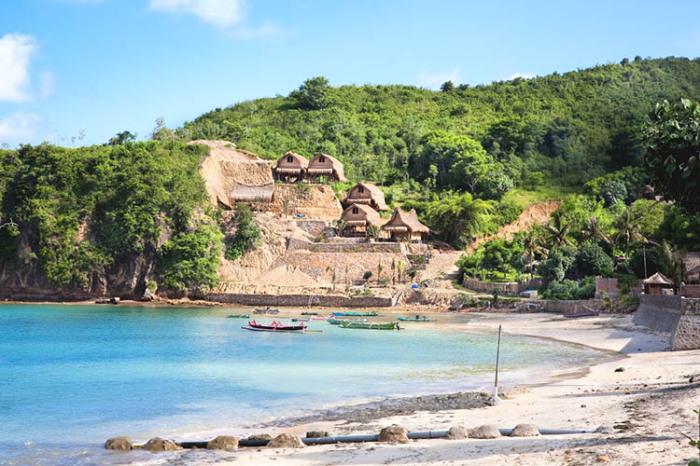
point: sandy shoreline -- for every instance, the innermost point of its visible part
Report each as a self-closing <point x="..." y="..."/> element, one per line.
<point x="641" y="410"/>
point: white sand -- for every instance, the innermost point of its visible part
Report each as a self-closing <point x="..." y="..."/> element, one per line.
<point x="645" y="408"/>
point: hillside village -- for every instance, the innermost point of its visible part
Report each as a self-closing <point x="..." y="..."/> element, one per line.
<point x="313" y="243"/>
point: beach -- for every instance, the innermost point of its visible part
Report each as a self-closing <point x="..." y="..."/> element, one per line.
<point x="634" y="406"/>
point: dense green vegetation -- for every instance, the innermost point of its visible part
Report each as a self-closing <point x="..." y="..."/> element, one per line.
<point x="566" y="128"/>
<point x="245" y="236"/>
<point x="80" y="212"/>
<point x="611" y="231"/>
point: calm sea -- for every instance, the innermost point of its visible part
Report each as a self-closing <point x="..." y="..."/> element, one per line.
<point x="72" y="376"/>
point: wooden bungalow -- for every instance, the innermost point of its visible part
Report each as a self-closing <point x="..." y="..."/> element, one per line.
<point x="325" y="166"/>
<point x="358" y="218"/>
<point x="405" y="226"/>
<point x="365" y="193"/>
<point x="291" y="167"/>
<point x="658" y="284"/>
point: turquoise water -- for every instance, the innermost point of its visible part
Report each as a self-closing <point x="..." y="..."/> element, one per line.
<point x="71" y="376"/>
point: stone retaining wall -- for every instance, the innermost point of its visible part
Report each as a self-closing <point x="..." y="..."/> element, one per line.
<point x="680" y="317"/>
<point x="302" y="300"/>
<point x="571" y="305"/>
<point x="507" y="288"/>
<point x="296" y="244"/>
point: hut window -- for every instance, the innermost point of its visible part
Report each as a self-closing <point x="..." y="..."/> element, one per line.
<point x="355" y="210"/>
<point x="321" y="159"/>
<point x="361" y="189"/>
<point x="290" y="159"/>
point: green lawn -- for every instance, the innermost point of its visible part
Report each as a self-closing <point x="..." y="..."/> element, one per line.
<point x="524" y="197"/>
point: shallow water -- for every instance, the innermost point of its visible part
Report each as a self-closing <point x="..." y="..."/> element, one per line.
<point x="71" y="376"/>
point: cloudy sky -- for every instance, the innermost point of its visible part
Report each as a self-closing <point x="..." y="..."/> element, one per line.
<point x="78" y="71"/>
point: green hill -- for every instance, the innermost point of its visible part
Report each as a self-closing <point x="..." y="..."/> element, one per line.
<point x="573" y="127"/>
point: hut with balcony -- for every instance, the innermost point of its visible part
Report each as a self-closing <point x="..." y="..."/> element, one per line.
<point x="405" y="227"/>
<point x="359" y="219"/>
<point x="366" y="193"/>
<point x="291" y="167"/>
<point x="323" y="166"/>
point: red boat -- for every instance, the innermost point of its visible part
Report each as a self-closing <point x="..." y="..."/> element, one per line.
<point x="275" y="326"/>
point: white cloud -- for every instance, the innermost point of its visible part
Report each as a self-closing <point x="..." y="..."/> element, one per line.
<point x="224" y="13"/>
<point x="521" y="76"/>
<point x="16" y="51"/>
<point x="19" y="127"/>
<point x="434" y="80"/>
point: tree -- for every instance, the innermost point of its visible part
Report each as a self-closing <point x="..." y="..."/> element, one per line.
<point x="122" y="138"/>
<point x="629" y="229"/>
<point x="457" y="218"/>
<point x="558" y="230"/>
<point x="246" y="235"/>
<point x="591" y="259"/>
<point x="532" y="248"/>
<point x="447" y="86"/>
<point x="312" y="95"/>
<point x="673" y="151"/>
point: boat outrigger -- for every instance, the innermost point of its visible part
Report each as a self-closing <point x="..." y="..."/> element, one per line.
<point x="417" y="318"/>
<point x="370" y="325"/>
<point x="275" y="326"/>
<point x="239" y="316"/>
<point x="354" y="314"/>
<point x="267" y="310"/>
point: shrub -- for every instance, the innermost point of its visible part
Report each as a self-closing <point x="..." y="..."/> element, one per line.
<point x="591" y="259"/>
<point x="246" y="236"/>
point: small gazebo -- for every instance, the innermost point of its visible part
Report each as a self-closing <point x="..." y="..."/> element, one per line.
<point x="325" y="166"/>
<point x="405" y="226"/>
<point x="291" y="167"/>
<point x="658" y="284"/>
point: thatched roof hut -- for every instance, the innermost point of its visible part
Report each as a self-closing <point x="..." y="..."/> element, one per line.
<point x="291" y="166"/>
<point x="358" y="217"/>
<point x="405" y="226"/>
<point x="326" y="165"/>
<point x="366" y="193"/>
<point x="657" y="283"/>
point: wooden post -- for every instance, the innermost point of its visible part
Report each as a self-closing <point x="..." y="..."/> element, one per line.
<point x="498" y="357"/>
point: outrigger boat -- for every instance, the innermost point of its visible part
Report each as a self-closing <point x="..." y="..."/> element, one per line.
<point x="267" y="310"/>
<point x="354" y="314"/>
<point x="334" y="321"/>
<point x="417" y="318"/>
<point x="239" y="316"/>
<point x="275" y="326"/>
<point x="370" y="325"/>
<point x="307" y="313"/>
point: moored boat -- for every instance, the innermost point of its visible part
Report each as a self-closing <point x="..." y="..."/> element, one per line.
<point x="275" y="326"/>
<point x="239" y="316"/>
<point x="267" y="310"/>
<point x="417" y="318"/>
<point x="354" y="314"/>
<point x="370" y="325"/>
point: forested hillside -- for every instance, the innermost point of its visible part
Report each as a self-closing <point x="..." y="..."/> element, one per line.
<point x="572" y="127"/>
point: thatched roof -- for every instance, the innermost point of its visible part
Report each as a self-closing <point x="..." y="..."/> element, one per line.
<point x="376" y="194"/>
<point x="658" y="279"/>
<point x="303" y="161"/>
<point x="371" y="215"/>
<point x="337" y="165"/>
<point x="408" y="220"/>
<point x="694" y="270"/>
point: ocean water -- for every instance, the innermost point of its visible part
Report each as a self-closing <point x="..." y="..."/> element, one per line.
<point x="72" y="376"/>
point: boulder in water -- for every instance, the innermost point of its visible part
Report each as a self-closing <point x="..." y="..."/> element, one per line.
<point x="485" y="432"/>
<point x="260" y="438"/>
<point x="457" y="433"/>
<point x="157" y="444"/>
<point x="316" y="434"/>
<point x="223" y="442"/>
<point x="394" y="434"/>
<point x="285" y="441"/>
<point x="119" y="444"/>
<point x="525" y="430"/>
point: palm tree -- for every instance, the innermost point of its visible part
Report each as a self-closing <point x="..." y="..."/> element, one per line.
<point x="558" y="232"/>
<point x="629" y="230"/>
<point x="672" y="265"/>
<point x="594" y="230"/>
<point x="532" y="247"/>
<point x="458" y="217"/>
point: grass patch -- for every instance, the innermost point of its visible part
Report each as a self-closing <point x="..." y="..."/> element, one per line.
<point x="524" y="198"/>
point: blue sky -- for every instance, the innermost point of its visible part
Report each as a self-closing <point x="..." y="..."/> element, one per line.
<point x="95" y="67"/>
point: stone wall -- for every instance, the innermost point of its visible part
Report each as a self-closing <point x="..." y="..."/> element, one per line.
<point x="298" y="300"/>
<point x="573" y="305"/>
<point x="680" y="317"/>
<point x="313" y="227"/>
<point x="296" y="244"/>
<point x="507" y="288"/>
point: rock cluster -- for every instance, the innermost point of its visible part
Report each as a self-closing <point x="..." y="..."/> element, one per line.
<point x="485" y="432"/>
<point x="119" y="444"/>
<point x="158" y="444"/>
<point x="525" y="430"/>
<point x="394" y="434"/>
<point x="457" y="433"/>
<point x="223" y="442"/>
<point x="285" y="441"/>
